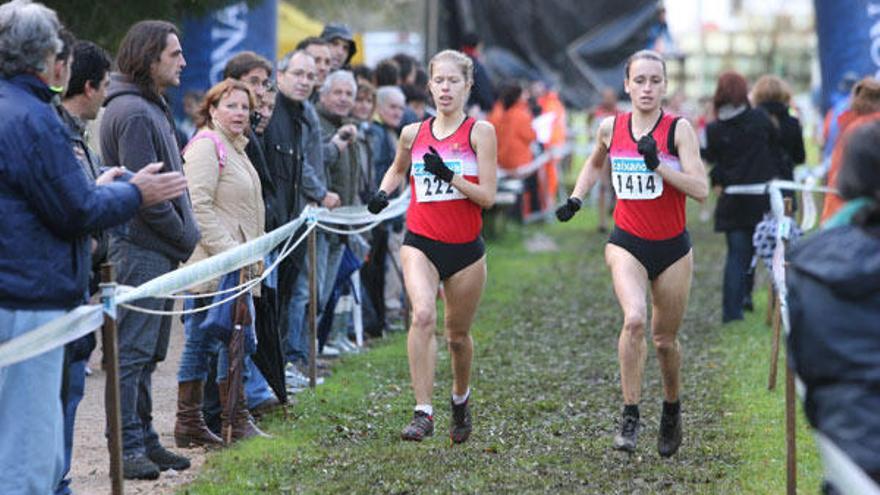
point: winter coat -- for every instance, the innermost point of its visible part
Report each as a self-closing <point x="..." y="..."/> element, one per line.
<point x="833" y="281"/>
<point x="136" y="130"/>
<point x="344" y="172"/>
<point x="227" y="198"/>
<point x="515" y="134"/>
<point x="294" y="158"/>
<point x="47" y="205"/>
<point x="742" y="149"/>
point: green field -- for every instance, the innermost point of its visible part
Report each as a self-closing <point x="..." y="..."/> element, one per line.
<point x="545" y="397"/>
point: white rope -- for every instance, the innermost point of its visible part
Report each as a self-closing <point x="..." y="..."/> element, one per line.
<point x="247" y="286"/>
<point x="361" y="230"/>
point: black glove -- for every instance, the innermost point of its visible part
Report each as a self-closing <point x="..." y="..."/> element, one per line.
<point x="434" y="164"/>
<point x="648" y="148"/>
<point x="566" y="211"/>
<point x="378" y="202"/>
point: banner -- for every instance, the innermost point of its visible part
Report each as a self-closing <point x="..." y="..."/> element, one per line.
<point x="849" y="43"/>
<point x="210" y="41"/>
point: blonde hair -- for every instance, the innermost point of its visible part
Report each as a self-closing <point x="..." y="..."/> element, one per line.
<point x="769" y="88"/>
<point x="464" y="63"/>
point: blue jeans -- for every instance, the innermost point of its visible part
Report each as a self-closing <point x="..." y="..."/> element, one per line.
<point x="298" y="338"/>
<point x="76" y="387"/>
<point x="143" y="342"/>
<point x="737" y="288"/>
<point x="256" y="387"/>
<point x="31" y="421"/>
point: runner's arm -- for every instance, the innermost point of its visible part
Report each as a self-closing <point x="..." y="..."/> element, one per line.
<point x="486" y="147"/>
<point x="594" y="165"/>
<point x="402" y="160"/>
<point x="692" y="178"/>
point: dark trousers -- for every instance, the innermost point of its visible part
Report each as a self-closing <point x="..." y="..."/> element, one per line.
<point x="143" y="342"/>
<point x="737" y="289"/>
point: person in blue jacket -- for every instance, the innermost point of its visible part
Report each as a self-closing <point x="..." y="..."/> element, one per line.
<point x="48" y="208"/>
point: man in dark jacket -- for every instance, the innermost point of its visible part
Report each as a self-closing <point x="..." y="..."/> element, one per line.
<point x="136" y="129"/>
<point x="342" y="45"/>
<point x="47" y="209"/>
<point x="84" y="96"/>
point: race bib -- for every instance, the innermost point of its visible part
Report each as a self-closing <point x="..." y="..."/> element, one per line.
<point x="430" y="188"/>
<point x="632" y="179"/>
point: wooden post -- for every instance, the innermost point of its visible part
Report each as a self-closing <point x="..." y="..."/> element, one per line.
<point x="111" y="386"/>
<point x="774" y="346"/>
<point x="771" y="303"/>
<point x="313" y="309"/>
<point x="790" y="434"/>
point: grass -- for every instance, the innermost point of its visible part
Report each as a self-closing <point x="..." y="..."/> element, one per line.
<point x="546" y="398"/>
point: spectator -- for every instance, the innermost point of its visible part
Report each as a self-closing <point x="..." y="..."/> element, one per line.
<point x="417" y="101"/>
<point x="864" y="107"/>
<point x="362" y="73"/>
<point x="386" y="73"/>
<point x="773" y="95"/>
<point x="552" y="108"/>
<point x="342" y="45"/>
<point x="49" y="209"/>
<point x="89" y="76"/>
<point x="362" y="114"/>
<point x="137" y="129"/>
<point x="319" y="49"/>
<point x="407" y="67"/>
<point x="482" y="95"/>
<point x="334" y="109"/>
<point x="192" y="99"/>
<point x="741" y="144"/>
<point x="512" y="119"/>
<point x="833" y="281"/>
<point x="228" y="206"/>
<point x="295" y="157"/>
<point x="256" y="72"/>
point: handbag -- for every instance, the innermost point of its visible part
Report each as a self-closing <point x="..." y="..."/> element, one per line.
<point x="221" y="320"/>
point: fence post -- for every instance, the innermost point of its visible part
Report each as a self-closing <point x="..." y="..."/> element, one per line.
<point x="313" y="309"/>
<point x="790" y="418"/>
<point x="111" y="387"/>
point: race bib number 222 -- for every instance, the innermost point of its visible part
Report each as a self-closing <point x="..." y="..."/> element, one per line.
<point x="430" y="188"/>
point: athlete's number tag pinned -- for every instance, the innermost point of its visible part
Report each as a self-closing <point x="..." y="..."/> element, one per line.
<point x="430" y="188"/>
<point x="632" y="179"/>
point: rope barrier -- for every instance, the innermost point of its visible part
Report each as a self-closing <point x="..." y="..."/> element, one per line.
<point x="85" y="319"/>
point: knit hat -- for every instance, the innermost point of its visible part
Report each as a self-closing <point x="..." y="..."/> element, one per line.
<point x="335" y="30"/>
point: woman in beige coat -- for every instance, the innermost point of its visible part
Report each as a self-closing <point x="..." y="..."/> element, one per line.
<point x="228" y="206"/>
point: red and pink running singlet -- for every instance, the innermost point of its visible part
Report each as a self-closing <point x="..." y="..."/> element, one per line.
<point x="646" y="207"/>
<point x="438" y="210"/>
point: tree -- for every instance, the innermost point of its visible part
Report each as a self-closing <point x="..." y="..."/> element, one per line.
<point x="106" y="21"/>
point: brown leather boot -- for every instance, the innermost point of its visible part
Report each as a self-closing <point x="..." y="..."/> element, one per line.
<point x="242" y="424"/>
<point x="190" y="429"/>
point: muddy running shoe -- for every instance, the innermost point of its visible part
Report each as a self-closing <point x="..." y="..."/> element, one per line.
<point x="421" y="426"/>
<point x="460" y="426"/>
<point x="629" y="433"/>
<point x="669" y="438"/>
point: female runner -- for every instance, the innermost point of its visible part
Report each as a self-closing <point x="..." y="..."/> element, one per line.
<point x="453" y="162"/>
<point x="655" y="164"/>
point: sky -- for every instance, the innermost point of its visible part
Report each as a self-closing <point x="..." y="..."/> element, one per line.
<point x="683" y="15"/>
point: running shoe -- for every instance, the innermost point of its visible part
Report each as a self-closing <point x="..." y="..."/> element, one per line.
<point x="629" y="433"/>
<point x="421" y="426"/>
<point x="669" y="438"/>
<point x="460" y="427"/>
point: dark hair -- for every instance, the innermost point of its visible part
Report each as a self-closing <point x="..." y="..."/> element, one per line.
<point x="90" y="64"/>
<point x="405" y="64"/>
<point x="414" y="93"/>
<point x="361" y="71"/>
<point x="644" y="55"/>
<point x="68" y="40"/>
<point x="244" y="62"/>
<point x="143" y="45"/>
<point x="421" y="78"/>
<point x="859" y="175"/>
<point x="732" y="89"/>
<point x="866" y="96"/>
<point x="215" y="94"/>
<point x="470" y="39"/>
<point x="509" y="93"/>
<point x="387" y="73"/>
<point x="311" y="40"/>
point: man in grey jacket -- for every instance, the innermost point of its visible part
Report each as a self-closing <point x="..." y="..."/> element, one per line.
<point x="137" y="129"/>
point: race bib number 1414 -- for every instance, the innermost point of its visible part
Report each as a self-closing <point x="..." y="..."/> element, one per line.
<point x="632" y="179"/>
<point x="430" y="188"/>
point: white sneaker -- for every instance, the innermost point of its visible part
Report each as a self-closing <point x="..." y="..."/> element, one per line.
<point x="330" y="351"/>
<point x="294" y="378"/>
